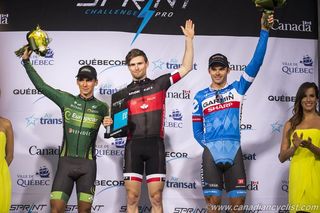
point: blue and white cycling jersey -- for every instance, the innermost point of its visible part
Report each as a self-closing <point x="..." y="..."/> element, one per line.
<point x="216" y="113"/>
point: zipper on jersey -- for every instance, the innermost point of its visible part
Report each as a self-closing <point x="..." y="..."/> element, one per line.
<point x="83" y="112"/>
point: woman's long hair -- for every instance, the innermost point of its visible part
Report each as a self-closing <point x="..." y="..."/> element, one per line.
<point x="297" y="111"/>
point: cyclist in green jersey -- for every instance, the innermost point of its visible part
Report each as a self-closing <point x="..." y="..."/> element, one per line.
<point x="82" y="116"/>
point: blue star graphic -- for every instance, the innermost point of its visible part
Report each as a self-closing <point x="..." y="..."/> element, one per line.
<point x="158" y="64"/>
<point x="31" y="120"/>
<point x="276" y="127"/>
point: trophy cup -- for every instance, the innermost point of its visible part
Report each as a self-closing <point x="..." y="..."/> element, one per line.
<point x="119" y="115"/>
<point x="38" y="41"/>
<point x="268" y="6"/>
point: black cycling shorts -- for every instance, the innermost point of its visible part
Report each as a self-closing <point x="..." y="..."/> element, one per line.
<point x="215" y="178"/>
<point x="148" y="154"/>
<point x="74" y="170"/>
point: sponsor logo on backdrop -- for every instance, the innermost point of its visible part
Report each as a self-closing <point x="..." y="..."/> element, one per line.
<point x="40" y="178"/>
<point x="281" y="98"/>
<point x="171" y="65"/>
<point x="170" y="156"/>
<point x="74" y="208"/>
<point x="237" y="67"/>
<point x="142" y="9"/>
<point x="27" y="91"/>
<point x="4" y="18"/>
<point x="285" y="186"/>
<point x="276" y="127"/>
<point x="246" y="127"/>
<point x="177" y="183"/>
<point x="35" y="150"/>
<point x="141" y="209"/>
<point x="47" y="119"/>
<point x="253" y="185"/>
<point x="302" y="67"/>
<point x="115" y="149"/>
<point x="109" y="183"/>
<point x="191" y="210"/>
<point x="102" y="62"/>
<point x="109" y="89"/>
<point x="174" y="120"/>
<point x="47" y="60"/>
<point x="30" y="208"/>
<point x="184" y="94"/>
<point x="249" y="156"/>
<point x="303" y="26"/>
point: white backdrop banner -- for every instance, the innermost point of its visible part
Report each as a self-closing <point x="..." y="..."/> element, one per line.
<point x="38" y="125"/>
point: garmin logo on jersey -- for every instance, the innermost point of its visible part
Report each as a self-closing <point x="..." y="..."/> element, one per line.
<point x="281" y="98"/>
<point x="178" y="184"/>
<point x="28" y="208"/>
<point x="34" y="150"/>
<point x="253" y="186"/>
<point x="304" y="26"/>
<point x="221" y="99"/>
<point x="304" y="66"/>
<point x="185" y="94"/>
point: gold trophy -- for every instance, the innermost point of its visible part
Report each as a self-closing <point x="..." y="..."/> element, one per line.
<point x="268" y="6"/>
<point x="38" y="41"/>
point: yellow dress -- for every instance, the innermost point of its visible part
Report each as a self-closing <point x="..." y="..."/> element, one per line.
<point x="5" y="180"/>
<point x="304" y="175"/>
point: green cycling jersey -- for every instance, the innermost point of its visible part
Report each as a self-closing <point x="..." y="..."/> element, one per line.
<point x="81" y="117"/>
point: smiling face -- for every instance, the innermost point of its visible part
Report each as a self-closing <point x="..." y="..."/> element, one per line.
<point x="218" y="76"/>
<point x="309" y="100"/>
<point x="138" y="67"/>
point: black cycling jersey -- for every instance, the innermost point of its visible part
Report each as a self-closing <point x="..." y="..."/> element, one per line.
<point x="146" y="104"/>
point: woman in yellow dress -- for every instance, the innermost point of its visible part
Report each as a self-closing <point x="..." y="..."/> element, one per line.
<point x="6" y="156"/>
<point x="301" y="143"/>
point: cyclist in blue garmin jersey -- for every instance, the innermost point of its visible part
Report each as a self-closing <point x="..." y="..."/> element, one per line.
<point x="216" y="126"/>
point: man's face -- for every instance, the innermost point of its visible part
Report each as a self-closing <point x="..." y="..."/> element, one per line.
<point x="86" y="86"/>
<point x="138" y="67"/>
<point x="219" y="75"/>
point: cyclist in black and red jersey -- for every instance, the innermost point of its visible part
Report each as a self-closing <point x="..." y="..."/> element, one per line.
<point x="146" y="100"/>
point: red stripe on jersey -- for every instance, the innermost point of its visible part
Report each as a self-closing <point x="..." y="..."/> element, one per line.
<point x="147" y="103"/>
<point x="175" y="77"/>
<point x="222" y="106"/>
<point x="197" y="118"/>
